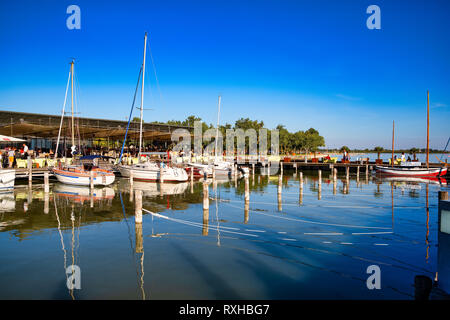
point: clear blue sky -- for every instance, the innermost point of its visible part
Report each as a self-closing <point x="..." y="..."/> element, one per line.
<point x="300" y="63"/>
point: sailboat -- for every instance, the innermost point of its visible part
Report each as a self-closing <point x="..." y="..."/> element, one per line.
<point x="409" y="169"/>
<point x="149" y="170"/>
<point x="78" y="174"/>
<point x="220" y="167"/>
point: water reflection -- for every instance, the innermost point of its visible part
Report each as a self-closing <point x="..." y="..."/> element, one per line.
<point x="295" y="230"/>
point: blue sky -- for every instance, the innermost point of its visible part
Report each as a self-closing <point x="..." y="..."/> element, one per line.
<point x="300" y="63"/>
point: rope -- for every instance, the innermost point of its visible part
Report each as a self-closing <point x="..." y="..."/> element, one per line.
<point x="131" y="113"/>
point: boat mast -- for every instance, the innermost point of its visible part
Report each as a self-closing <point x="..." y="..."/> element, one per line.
<point x="71" y="75"/>
<point x="393" y="130"/>
<point x="217" y="130"/>
<point x="142" y="94"/>
<point x="428" y="127"/>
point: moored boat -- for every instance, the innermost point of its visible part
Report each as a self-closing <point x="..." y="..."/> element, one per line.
<point x="151" y="171"/>
<point x="409" y="171"/>
<point x="7" y="178"/>
<point x="76" y="175"/>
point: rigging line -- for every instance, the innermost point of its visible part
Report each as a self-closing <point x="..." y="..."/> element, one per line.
<point x="156" y="77"/>
<point x="77" y="95"/>
<point x="62" y="117"/>
<point x="131" y="113"/>
<point x="217" y="217"/>
<point x="445" y="148"/>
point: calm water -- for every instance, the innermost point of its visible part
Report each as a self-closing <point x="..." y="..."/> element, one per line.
<point x="316" y="245"/>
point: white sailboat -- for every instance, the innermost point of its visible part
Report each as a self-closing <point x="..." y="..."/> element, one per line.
<point x="221" y="168"/>
<point x="77" y="174"/>
<point x="149" y="170"/>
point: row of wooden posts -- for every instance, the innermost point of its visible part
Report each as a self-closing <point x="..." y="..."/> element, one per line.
<point x="138" y="193"/>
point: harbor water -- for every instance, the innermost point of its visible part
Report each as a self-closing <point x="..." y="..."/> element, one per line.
<point x="289" y="241"/>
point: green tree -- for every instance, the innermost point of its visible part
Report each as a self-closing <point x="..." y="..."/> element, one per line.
<point x="378" y="150"/>
<point x="313" y="140"/>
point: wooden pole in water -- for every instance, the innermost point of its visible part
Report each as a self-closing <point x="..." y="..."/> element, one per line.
<point x="301" y="179"/>
<point x="393" y="131"/>
<point x="30" y="170"/>
<point x="46" y="183"/>
<point x="138" y="206"/>
<point x="91" y="180"/>
<point x="192" y="174"/>
<point x="246" y="199"/>
<point x="320" y="177"/>
<point x="428" y="127"/>
<point x="280" y="180"/>
<point x="205" y="196"/>
<point x="443" y="195"/>
<point x="161" y="174"/>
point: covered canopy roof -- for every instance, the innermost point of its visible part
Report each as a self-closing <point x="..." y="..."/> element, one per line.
<point x="33" y="125"/>
<point x="10" y="139"/>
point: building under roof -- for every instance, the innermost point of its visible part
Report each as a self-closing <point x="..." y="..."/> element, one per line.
<point x="33" y="127"/>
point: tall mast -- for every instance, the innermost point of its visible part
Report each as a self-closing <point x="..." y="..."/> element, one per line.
<point x="393" y="131"/>
<point x="71" y="75"/>
<point x="428" y="127"/>
<point x="217" y="130"/>
<point x="142" y="94"/>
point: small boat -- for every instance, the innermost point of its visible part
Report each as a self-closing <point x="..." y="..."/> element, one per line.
<point x="7" y="178"/>
<point x="151" y="171"/>
<point x="412" y="169"/>
<point x="76" y="175"/>
<point x="80" y="173"/>
<point x="409" y="171"/>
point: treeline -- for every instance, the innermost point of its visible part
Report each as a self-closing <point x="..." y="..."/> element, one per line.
<point x="382" y="150"/>
<point x="300" y="141"/>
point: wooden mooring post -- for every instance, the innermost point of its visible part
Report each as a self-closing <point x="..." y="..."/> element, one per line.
<point x="91" y="180"/>
<point x="138" y="206"/>
<point x="46" y="183"/>
<point x="30" y="170"/>
<point x="205" y="208"/>
<point x="138" y="221"/>
<point x="246" y="199"/>
<point x="280" y="186"/>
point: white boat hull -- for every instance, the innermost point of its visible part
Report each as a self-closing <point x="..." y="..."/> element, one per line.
<point x="411" y="171"/>
<point x="83" y="180"/>
<point x="151" y="172"/>
<point x="7" y="178"/>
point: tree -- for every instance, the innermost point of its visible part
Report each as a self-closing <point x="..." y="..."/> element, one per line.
<point x="137" y="119"/>
<point x="378" y="150"/>
<point x="344" y="148"/>
<point x="312" y="140"/>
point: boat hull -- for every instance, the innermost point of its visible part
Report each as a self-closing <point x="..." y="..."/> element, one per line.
<point x="7" y="178"/>
<point x="153" y="174"/>
<point x="83" y="179"/>
<point x="411" y="171"/>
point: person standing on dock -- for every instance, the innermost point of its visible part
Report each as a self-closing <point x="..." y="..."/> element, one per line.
<point x="11" y="157"/>
<point x="25" y="151"/>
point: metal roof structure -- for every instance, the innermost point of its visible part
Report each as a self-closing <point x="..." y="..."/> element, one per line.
<point x="33" y="125"/>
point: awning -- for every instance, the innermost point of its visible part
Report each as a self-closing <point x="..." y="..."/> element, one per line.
<point x="10" y="139"/>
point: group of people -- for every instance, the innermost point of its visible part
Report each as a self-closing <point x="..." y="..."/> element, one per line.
<point x="10" y="154"/>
